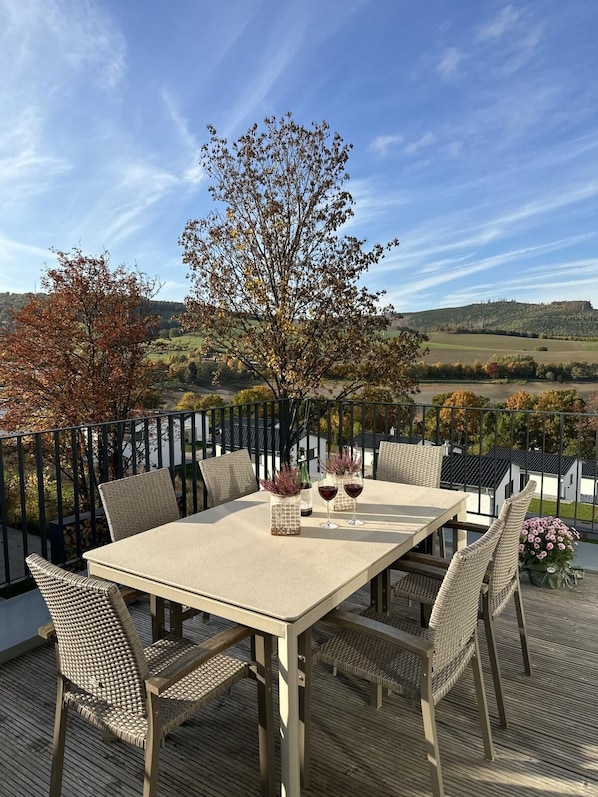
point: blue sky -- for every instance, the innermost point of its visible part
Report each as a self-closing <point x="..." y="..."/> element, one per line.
<point x="474" y="127"/>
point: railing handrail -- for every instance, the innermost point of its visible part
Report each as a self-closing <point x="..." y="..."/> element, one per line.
<point x="51" y="475"/>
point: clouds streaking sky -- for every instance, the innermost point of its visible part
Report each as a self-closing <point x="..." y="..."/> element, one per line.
<point x="474" y="129"/>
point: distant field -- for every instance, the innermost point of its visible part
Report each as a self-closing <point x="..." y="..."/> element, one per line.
<point x="447" y="348"/>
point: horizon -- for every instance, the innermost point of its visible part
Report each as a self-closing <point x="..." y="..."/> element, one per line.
<point x="474" y="132"/>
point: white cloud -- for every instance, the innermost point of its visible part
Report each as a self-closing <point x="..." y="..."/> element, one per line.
<point x="449" y="64"/>
<point x="504" y="21"/>
<point x="381" y="144"/>
<point x="424" y="141"/>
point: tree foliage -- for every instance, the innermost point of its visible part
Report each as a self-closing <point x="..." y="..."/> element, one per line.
<point x="274" y="283"/>
<point x="78" y="354"/>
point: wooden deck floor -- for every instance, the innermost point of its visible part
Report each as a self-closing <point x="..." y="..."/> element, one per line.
<point x="551" y="747"/>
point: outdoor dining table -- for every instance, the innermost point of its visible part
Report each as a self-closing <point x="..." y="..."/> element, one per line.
<point x="225" y="561"/>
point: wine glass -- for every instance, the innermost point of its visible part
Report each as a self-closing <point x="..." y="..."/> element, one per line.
<point x="353" y="487"/>
<point x="328" y="488"/>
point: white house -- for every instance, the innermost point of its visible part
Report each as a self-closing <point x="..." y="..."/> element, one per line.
<point x="557" y="475"/>
<point x="262" y="439"/>
<point x="488" y="481"/>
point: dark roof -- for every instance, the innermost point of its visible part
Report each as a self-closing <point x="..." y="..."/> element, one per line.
<point x="536" y="461"/>
<point x="462" y="470"/>
<point x="256" y="434"/>
<point x="372" y="440"/>
<point x="589" y="469"/>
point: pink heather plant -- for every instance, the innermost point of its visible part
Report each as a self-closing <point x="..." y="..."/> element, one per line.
<point x="547" y="540"/>
<point x="285" y="483"/>
<point x="342" y="463"/>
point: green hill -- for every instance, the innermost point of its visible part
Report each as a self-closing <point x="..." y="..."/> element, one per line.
<point x="555" y="320"/>
<point x="166" y="310"/>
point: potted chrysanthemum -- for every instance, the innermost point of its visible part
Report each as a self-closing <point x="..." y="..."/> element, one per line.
<point x="546" y="548"/>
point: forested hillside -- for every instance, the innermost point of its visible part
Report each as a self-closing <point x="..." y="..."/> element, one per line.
<point x="166" y="310"/>
<point x="555" y="320"/>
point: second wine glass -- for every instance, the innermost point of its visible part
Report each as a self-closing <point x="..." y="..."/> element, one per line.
<point x="328" y="488"/>
<point x="353" y="486"/>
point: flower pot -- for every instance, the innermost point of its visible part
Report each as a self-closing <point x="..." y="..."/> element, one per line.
<point x="341" y="501"/>
<point x="542" y="576"/>
<point x="285" y="515"/>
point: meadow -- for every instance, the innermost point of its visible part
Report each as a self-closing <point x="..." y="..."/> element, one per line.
<point x="450" y="348"/>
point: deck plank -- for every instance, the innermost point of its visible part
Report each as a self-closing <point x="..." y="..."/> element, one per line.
<point x="550" y="748"/>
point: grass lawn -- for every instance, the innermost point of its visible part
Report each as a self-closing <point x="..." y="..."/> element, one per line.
<point x="571" y="510"/>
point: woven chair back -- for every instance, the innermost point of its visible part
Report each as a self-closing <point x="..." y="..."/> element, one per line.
<point x="99" y="649"/>
<point x="505" y="564"/>
<point x="410" y="464"/>
<point x="138" y="503"/>
<point x="228" y="476"/>
<point x="455" y="613"/>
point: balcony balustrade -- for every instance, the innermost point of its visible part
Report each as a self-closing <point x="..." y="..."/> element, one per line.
<point x="48" y="480"/>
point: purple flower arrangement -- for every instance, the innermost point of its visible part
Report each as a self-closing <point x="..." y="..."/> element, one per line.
<point x="343" y="462"/>
<point x="285" y="483"/>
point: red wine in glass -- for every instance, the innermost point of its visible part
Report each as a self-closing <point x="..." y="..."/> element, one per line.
<point x="353" y="487"/>
<point x="328" y="488"/>
<point x="328" y="491"/>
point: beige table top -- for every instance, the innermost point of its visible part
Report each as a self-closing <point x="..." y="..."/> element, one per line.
<point x="226" y="556"/>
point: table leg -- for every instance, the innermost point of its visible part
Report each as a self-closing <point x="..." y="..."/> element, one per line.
<point x="158" y="619"/>
<point x="380" y="591"/>
<point x="288" y="697"/>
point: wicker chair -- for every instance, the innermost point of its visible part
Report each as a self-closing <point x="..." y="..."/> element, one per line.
<point x="411" y="464"/>
<point x="135" y="694"/>
<point x="402" y="657"/>
<point x="425" y="574"/>
<point x="138" y="503"/>
<point x="228" y="476"/>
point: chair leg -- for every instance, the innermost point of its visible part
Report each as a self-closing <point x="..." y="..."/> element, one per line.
<point x="430" y="732"/>
<point x="262" y="651"/>
<point x="152" y="747"/>
<point x="494" y="665"/>
<point x="527" y="662"/>
<point x="478" y="677"/>
<point x="305" y="676"/>
<point x="60" y="719"/>
<point x="441" y="542"/>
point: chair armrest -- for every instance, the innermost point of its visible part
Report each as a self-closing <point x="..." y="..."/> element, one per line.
<point x="195" y="657"/>
<point x="387" y="633"/>
<point x="47" y="632"/>
<point x="425" y="559"/>
<point x="465" y="526"/>
<point x="129" y="594"/>
<point x="436" y="573"/>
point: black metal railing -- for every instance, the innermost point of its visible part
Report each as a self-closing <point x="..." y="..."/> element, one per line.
<point x="48" y="480"/>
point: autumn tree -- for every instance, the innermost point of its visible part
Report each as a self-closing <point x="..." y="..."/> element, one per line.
<point x="194" y="401"/>
<point x="275" y="284"/>
<point x="556" y="418"/>
<point x="460" y="419"/>
<point x="78" y="353"/>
